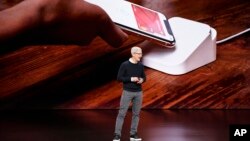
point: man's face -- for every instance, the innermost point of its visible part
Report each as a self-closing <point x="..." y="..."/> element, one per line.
<point x="137" y="55"/>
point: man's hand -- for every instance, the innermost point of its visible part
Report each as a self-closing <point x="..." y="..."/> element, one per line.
<point x="137" y="80"/>
<point x="60" y="22"/>
<point x="140" y="81"/>
<point x="134" y="79"/>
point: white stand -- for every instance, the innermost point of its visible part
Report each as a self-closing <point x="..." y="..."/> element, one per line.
<point x="195" y="47"/>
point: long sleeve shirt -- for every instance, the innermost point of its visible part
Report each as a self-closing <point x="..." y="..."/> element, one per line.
<point x="128" y="70"/>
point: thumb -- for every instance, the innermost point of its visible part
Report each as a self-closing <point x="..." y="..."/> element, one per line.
<point x="111" y="33"/>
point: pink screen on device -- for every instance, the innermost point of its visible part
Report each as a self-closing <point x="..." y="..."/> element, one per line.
<point x="147" y="20"/>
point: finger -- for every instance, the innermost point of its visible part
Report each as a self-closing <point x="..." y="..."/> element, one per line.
<point x="111" y="33"/>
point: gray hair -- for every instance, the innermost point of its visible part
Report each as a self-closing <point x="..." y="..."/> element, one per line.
<point x="135" y="50"/>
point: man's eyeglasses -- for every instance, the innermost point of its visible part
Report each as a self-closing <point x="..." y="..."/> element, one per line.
<point x="138" y="53"/>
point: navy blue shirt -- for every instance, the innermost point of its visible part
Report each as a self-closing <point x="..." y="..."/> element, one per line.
<point x="128" y="70"/>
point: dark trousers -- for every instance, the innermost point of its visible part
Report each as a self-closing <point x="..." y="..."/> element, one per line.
<point x="126" y="98"/>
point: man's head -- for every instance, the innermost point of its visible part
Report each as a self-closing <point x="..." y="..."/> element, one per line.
<point x="136" y="53"/>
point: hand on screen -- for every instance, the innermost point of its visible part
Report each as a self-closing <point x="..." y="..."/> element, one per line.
<point x="59" y="22"/>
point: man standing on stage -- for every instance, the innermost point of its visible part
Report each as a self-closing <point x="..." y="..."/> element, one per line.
<point x="132" y="74"/>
